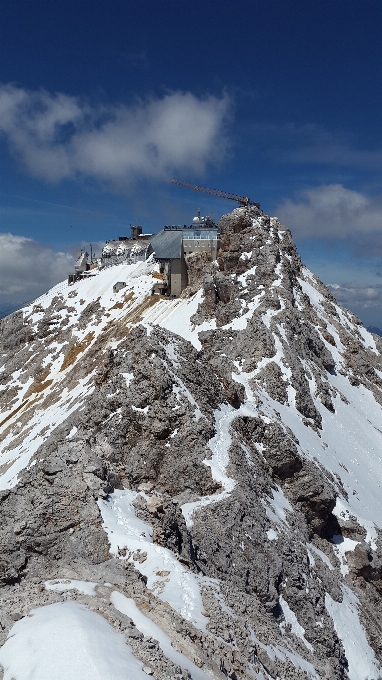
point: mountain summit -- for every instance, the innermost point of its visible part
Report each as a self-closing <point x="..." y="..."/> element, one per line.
<point x="191" y="487"/>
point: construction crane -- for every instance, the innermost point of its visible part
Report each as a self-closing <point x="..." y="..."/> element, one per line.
<point x="242" y="200"/>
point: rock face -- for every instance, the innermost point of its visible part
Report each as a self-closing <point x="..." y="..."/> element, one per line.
<point x="217" y="459"/>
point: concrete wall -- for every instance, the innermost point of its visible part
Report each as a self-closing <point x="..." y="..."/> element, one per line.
<point x="201" y="246"/>
<point x="179" y="279"/>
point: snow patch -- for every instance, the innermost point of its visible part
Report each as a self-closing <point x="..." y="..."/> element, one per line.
<point x="279" y="504"/>
<point x="84" y="587"/>
<point x="72" y="432"/>
<point x="272" y="535"/>
<point x="342" y="545"/>
<point x="291" y="619"/>
<point x="361" y="658"/>
<point x="145" y="625"/>
<point x="240" y="323"/>
<point x="368" y="339"/>
<point x="281" y="653"/>
<point x="354" y="444"/>
<point x="67" y="641"/>
<point x="309" y="290"/>
<point x="320" y="554"/>
<point x="342" y="511"/>
<point x="129" y="377"/>
<point x="219" y="446"/>
<point x="130" y="538"/>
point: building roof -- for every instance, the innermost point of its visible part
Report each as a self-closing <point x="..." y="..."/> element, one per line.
<point x="129" y="247"/>
<point x="167" y="245"/>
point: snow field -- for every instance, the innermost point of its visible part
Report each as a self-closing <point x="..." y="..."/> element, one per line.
<point x="41" y="423"/>
<point x="57" y="402"/>
<point x="176" y="318"/>
<point x="67" y="641"/>
<point x="353" y="446"/>
<point x="144" y="624"/>
<point x="361" y="658"/>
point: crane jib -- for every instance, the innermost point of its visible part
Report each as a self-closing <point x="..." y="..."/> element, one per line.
<point x="242" y="200"/>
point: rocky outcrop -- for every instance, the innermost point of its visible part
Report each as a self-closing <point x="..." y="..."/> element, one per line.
<point x="219" y="444"/>
<point x="14" y="332"/>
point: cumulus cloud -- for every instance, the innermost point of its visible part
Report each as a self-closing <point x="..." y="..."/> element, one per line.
<point x="358" y="295"/>
<point x="363" y="300"/>
<point x="332" y="211"/>
<point x="58" y="136"/>
<point x="28" y="269"/>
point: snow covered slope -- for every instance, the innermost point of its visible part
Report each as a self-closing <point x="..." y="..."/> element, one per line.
<point x="208" y="468"/>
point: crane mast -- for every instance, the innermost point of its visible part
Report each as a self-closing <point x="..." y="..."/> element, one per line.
<point x="242" y="200"/>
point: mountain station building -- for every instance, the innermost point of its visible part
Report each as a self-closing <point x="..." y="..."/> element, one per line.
<point x="171" y="247"/>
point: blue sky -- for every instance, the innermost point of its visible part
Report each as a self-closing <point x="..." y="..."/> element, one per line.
<point x="102" y="103"/>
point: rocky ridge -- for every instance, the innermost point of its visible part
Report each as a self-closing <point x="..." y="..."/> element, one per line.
<point x="214" y="459"/>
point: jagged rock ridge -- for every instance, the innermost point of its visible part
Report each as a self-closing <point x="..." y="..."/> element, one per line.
<point x="215" y="459"/>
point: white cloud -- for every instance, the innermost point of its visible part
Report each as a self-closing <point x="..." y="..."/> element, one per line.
<point x="332" y="211"/>
<point x="28" y="269"/>
<point x="59" y="136"/>
<point x="353" y="295"/>
<point x="363" y="300"/>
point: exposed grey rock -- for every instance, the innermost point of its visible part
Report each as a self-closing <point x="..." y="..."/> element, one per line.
<point x="14" y="332"/>
<point x="254" y="546"/>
